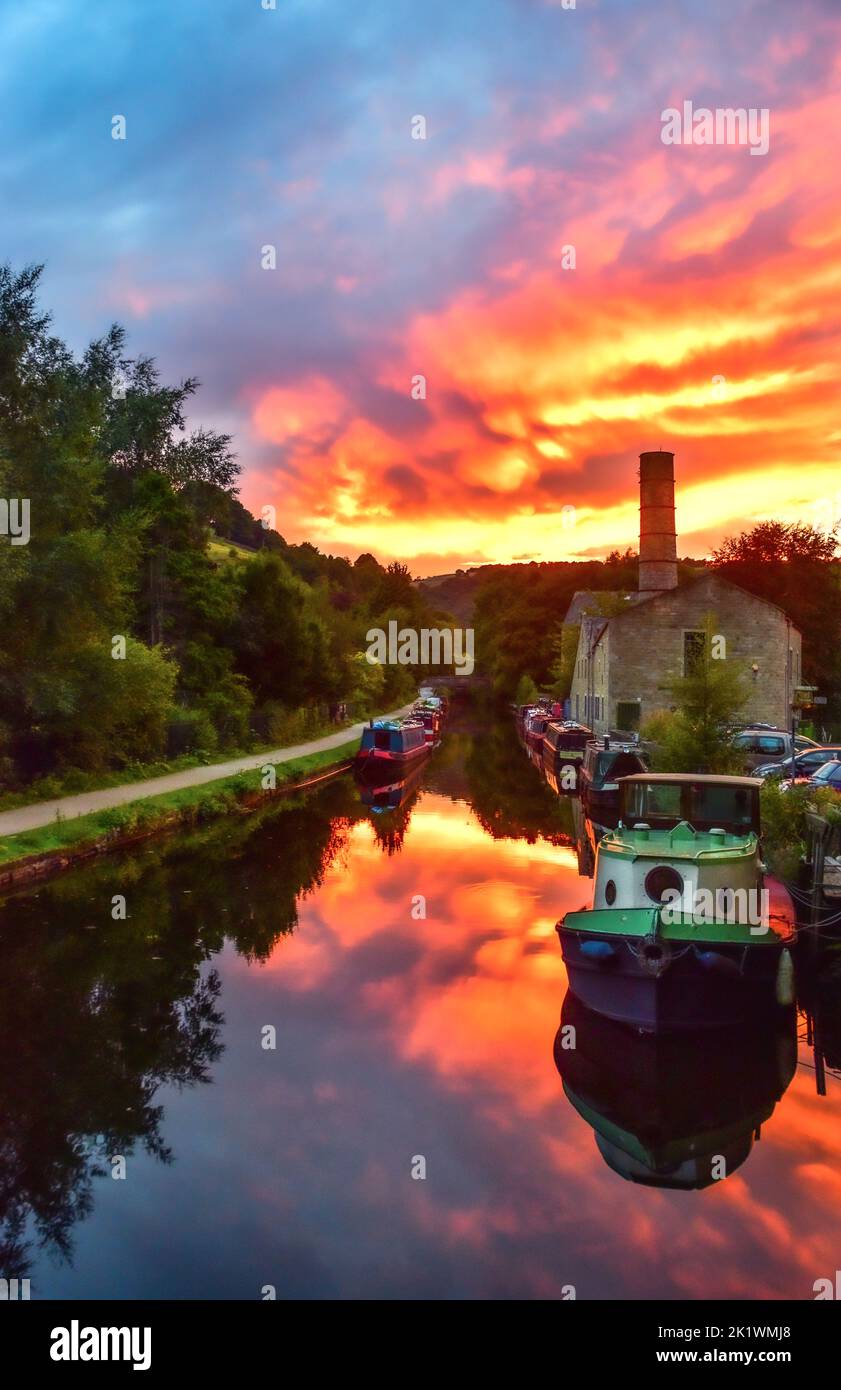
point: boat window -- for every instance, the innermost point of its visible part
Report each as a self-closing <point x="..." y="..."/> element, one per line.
<point x="382" y="738"/>
<point x="703" y="804"/>
<point x="727" y="806"/>
<point x="649" y="800"/>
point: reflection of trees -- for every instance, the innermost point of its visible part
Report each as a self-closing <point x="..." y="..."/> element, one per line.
<point x="510" y="796"/>
<point x="90" y="1027"/>
<point x="390" y="826"/>
<point x="96" y="1015"/>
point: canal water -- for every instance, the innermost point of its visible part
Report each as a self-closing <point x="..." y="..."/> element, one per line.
<point x="418" y="1129"/>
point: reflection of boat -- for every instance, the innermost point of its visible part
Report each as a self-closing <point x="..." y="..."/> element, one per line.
<point x="604" y="762"/>
<point x="389" y="747"/>
<point x="391" y="795"/>
<point x="564" y="742"/>
<point x="686" y="929"/>
<point x="584" y="841"/>
<point x="673" y="1110"/>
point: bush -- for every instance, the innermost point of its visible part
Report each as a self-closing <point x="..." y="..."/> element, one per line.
<point x="108" y="711"/>
<point x="785" y="833"/>
<point x="228" y="705"/>
<point x="191" y="731"/>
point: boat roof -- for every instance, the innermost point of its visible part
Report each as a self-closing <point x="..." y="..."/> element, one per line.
<point x="693" y="777"/>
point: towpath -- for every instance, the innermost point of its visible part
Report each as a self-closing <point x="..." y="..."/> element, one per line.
<point x="68" y="807"/>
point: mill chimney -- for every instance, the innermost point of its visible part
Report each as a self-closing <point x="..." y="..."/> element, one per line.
<point x="658" y="546"/>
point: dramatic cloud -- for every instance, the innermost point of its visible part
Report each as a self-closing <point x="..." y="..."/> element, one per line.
<point x="570" y="289"/>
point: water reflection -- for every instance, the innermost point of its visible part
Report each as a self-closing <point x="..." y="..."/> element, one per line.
<point x="673" y="1110"/>
<point x="396" y="1035"/>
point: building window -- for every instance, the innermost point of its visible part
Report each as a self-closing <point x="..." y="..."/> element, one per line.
<point x="693" y="651"/>
<point x="628" y="715"/>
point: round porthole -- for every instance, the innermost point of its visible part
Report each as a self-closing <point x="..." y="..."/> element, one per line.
<point x="610" y="892"/>
<point x="662" y="880"/>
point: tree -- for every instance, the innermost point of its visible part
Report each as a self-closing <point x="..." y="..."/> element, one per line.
<point x="526" y="692"/>
<point x="694" y="736"/>
<point x="794" y="566"/>
<point x="142" y="426"/>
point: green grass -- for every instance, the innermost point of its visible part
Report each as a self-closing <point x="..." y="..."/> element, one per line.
<point x="229" y="553"/>
<point x="187" y="806"/>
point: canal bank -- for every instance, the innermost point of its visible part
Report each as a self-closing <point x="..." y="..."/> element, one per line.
<point x="49" y="836"/>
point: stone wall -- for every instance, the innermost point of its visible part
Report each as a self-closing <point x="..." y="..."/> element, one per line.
<point x="590" y="683"/>
<point x="647" y="648"/>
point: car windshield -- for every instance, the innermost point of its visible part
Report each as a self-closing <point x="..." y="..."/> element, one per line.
<point x="826" y="772"/>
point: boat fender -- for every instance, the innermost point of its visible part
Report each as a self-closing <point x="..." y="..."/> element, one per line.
<point x="655" y="956"/>
<point x="602" y="951"/>
<point x="785" y="979"/>
<point x="720" y="964"/>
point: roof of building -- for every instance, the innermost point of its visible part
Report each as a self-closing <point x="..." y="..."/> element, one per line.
<point x="585" y="602"/>
<point x="706" y="576"/>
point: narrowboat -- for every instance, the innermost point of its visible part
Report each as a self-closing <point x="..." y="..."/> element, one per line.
<point x="435" y="702"/>
<point x="605" y="761"/>
<point x="564" y="742"/>
<point x="534" y="728"/>
<point x="430" y="717"/>
<point x="674" y="1110"/>
<point x="389" y="748"/>
<point x="687" y="929"/>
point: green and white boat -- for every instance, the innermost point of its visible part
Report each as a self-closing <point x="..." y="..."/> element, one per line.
<point x="687" y="929"/>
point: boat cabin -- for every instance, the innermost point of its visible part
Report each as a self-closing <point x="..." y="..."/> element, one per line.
<point x="393" y="737"/>
<point x="566" y="737"/>
<point x="605" y="762"/>
<point x="662" y="800"/>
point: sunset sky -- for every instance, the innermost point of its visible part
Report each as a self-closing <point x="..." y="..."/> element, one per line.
<point x="443" y="257"/>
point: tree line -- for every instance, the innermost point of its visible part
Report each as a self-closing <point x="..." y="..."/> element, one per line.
<point x="126" y="636"/>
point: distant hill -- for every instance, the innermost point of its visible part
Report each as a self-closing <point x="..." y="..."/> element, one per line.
<point x="456" y="593"/>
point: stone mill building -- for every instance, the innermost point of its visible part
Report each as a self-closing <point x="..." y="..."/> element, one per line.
<point x="632" y="645"/>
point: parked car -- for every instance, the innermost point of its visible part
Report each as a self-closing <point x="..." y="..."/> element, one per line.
<point x="768" y="745"/>
<point x="804" y="763"/>
<point x="828" y="775"/>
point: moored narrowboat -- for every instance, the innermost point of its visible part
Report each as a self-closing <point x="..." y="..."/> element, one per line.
<point x="430" y="718"/>
<point x="564" y="742"/>
<point x="605" y="760"/>
<point x="686" y="928"/>
<point x="389" y="747"/>
<point x="534" y="728"/>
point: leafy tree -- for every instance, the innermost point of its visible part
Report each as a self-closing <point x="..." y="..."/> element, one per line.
<point x="526" y="692"/>
<point x="144" y="421"/>
<point x="693" y="736"/>
<point x="795" y="566"/>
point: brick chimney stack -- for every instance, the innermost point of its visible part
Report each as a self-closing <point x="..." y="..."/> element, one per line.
<point x="658" y="544"/>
